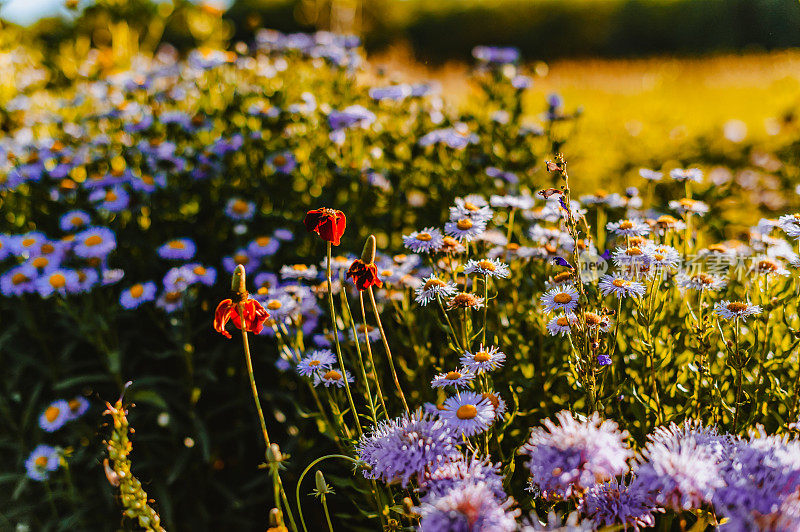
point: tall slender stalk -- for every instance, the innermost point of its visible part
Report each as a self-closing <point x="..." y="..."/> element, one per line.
<point x="386" y="347"/>
<point x="369" y="354"/>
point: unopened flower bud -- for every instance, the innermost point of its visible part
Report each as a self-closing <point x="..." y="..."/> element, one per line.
<point x="275" y="517"/>
<point x="319" y="480"/>
<point x="238" y="280"/>
<point x="368" y="255"/>
<point x="274" y="453"/>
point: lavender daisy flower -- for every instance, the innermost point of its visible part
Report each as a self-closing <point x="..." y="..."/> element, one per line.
<point x="111" y="276"/>
<point x="77" y="407"/>
<point x="203" y="274"/>
<point x="299" y="271"/>
<point x="468" y="413"/>
<point x="22" y="245"/>
<point x="497" y="402"/>
<point x="240" y="256"/>
<point x="473" y="207"/>
<point x="407" y="447"/>
<point x="632" y="256"/>
<point x="74" y="220"/>
<point x="239" y="209"/>
<point x="179" y="279"/>
<point x="662" y="257"/>
<point x="54" y="416"/>
<point x="628" y="228"/>
<point x="650" y="175"/>
<point x="620" y="287"/>
<point x="487" y="267"/>
<point x="560" y="298"/>
<point x="790" y="223"/>
<point x="570" y="457"/>
<point x="42" y="460"/>
<point x="700" y="281"/>
<point x="483" y="360"/>
<point x="469" y="507"/>
<point x="319" y="360"/>
<point x="687" y="174"/>
<point x="464" y="230"/>
<point x="332" y="377"/>
<point x="59" y="281"/>
<point x="94" y="243"/>
<point x="132" y="297"/>
<point x="689" y="206"/>
<point x="178" y="249"/>
<point x="170" y="301"/>
<point x="18" y="280"/>
<point x="433" y="288"/>
<point x="599" y="321"/>
<point x="450" y="476"/>
<point x="496" y="54"/>
<point x="263" y="246"/>
<point x="114" y="199"/>
<point x="429" y="240"/>
<point x="613" y="503"/>
<point x="735" y="309"/>
<point x="677" y="470"/>
<point x="465" y="300"/>
<point x="561" y="324"/>
<point x="457" y="379"/>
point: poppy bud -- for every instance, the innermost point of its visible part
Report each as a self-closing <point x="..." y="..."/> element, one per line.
<point x="368" y="254"/>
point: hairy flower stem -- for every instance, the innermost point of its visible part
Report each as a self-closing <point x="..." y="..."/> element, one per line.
<point x="264" y="433"/>
<point x="386" y="347"/>
<point x="336" y="341"/>
<point x="369" y="355"/>
<point x="323" y="498"/>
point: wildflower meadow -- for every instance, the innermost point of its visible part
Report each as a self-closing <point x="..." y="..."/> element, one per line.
<point x="270" y="287"/>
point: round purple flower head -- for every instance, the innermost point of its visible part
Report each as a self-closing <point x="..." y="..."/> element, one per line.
<point x="470" y="507"/>
<point x="449" y="476"/>
<point x="570" y="457"/>
<point x="407" y="447"/>
<point x="614" y="503"/>
<point x="679" y="467"/>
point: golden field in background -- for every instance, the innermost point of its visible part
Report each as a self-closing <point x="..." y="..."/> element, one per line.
<point x="648" y="106"/>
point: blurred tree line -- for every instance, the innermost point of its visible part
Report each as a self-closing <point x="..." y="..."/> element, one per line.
<point x="448" y="29"/>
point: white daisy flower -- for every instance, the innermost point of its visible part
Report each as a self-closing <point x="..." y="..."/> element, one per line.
<point x="464" y="229"/>
<point x="473" y="207"/>
<point x="487" y="267"/>
<point x="689" y="206"/>
<point x="484" y="360"/>
<point x="458" y="379"/>
<point x="650" y="175"/>
<point x="620" y="287"/>
<point x="468" y="413"/>
<point x="299" y="271"/>
<point x="686" y="174"/>
<point x="433" y="287"/>
<point x="768" y="266"/>
<point x="560" y="298"/>
<point x="628" y="228"/>
<point x="790" y="223"/>
<point x="662" y="257"/>
<point x="700" y="281"/>
<point x="429" y="240"/>
<point x="735" y="309"/>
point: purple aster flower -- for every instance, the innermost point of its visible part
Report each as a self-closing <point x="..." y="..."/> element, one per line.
<point x="332" y="377"/>
<point x="429" y="240"/>
<point x="487" y="267"/>
<point x="484" y="360"/>
<point x="19" y="280"/>
<point x="432" y="288"/>
<point x="284" y="162"/>
<point x="114" y="199"/>
<point x="612" y="503"/>
<point x="239" y="209"/>
<point x="132" y="297"/>
<point x="42" y="460"/>
<point x="59" y="281"/>
<point x="87" y="279"/>
<point x="561" y="324"/>
<point x="457" y="379"/>
<point x="679" y="467"/>
<point x="178" y="249"/>
<point x="95" y="242"/>
<point x="563" y="298"/>
<point x="570" y="457"/>
<point x="179" y="279"/>
<point x="54" y="416"/>
<point x="406" y="448"/>
<point x="392" y="92"/>
<point x="319" y="360"/>
<point x="74" y="220"/>
<point x="449" y="476"/>
<point x="203" y="274"/>
<point x="509" y="177"/>
<point x="468" y="413"/>
<point x="496" y="54"/>
<point x="468" y="507"/>
<point x="603" y="360"/>
<point x="240" y="256"/>
<point x="78" y="406"/>
<point x="620" y="286"/>
<point x="22" y="245"/>
<point x="111" y="276"/>
<point x="353" y="116"/>
<point x="263" y="246"/>
<point x="170" y="301"/>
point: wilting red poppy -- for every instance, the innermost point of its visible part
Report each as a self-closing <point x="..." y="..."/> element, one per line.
<point x="364" y="275"/>
<point x="254" y="316"/>
<point x="329" y="224"/>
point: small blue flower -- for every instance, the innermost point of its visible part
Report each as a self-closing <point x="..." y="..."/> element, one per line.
<point x="114" y="199"/>
<point x="42" y="460"/>
<point x="239" y="209"/>
<point x="59" y="281"/>
<point x="178" y="249"/>
<point x="468" y="413"/>
<point x="95" y="242"/>
<point x="319" y="360"/>
<point x="74" y="220"/>
<point x="137" y="294"/>
<point x="54" y="416"/>
<point x="77" y="407"/>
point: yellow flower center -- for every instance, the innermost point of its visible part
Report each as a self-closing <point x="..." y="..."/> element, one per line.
<point x="40" y="262"/>
<point x="19" y="278"/>
<point x="41" y="462"/>
<point x="470" y="206"/>
<point x="487" y="265"/>
<point x="482" y="356"/>
<point x="387" y="273"/>
<point x="274" y="304"/>
<point x="464" y="224"/>
<point x="466" y="412"/>
<point x="434" y="283"/>
<point x="453" y="376"/>
<point x="28" y="242"/>
<point x="93" y="240"/>
<point x="199" y="270"/>
<point x="239" y="207"/>
<point x="136" y="291"/>
<point x="333" y="375"/>
<point x="172" y="297"/>
<point x="57" y="280"/>
<point x="626" y="224"/>
<point x="241" y="259"/>
<point x="632" y="252"/>
<point x="314" y="363"/>
<point x="562" y="298"/>
<point x="424" y="237"/>
<point x="767" y="265"/>
<point x="658" y="257"/>
<point x="52" y="413"/>
<point x="593" y="319"/>
<point x="74" y="405"/>
<point x="562" y="321"/>
<point x="492" y="398"/>
<point x="111" y="196"/>
<point x="263" y="240"/>
<point x="48" y="248"/>
<point x="619" y="283"/>
<point x="177" y="244"/>
<point x="279" y="160"/>
<point x="299" y="267"/>
<point x="666" y="220"/>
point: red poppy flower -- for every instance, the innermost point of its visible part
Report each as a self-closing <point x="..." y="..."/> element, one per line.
<point x="254" y="316"/>
<point x="329" y="224"/>
<point x="364" y="275"/>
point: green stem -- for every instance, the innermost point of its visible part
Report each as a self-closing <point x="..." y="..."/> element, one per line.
<point x="360" y="358"/>
<point x="327" y="514"/>
<point x="369" y="355"/>
<point x="386" y="347"/>
<point x="303" y="475"/>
